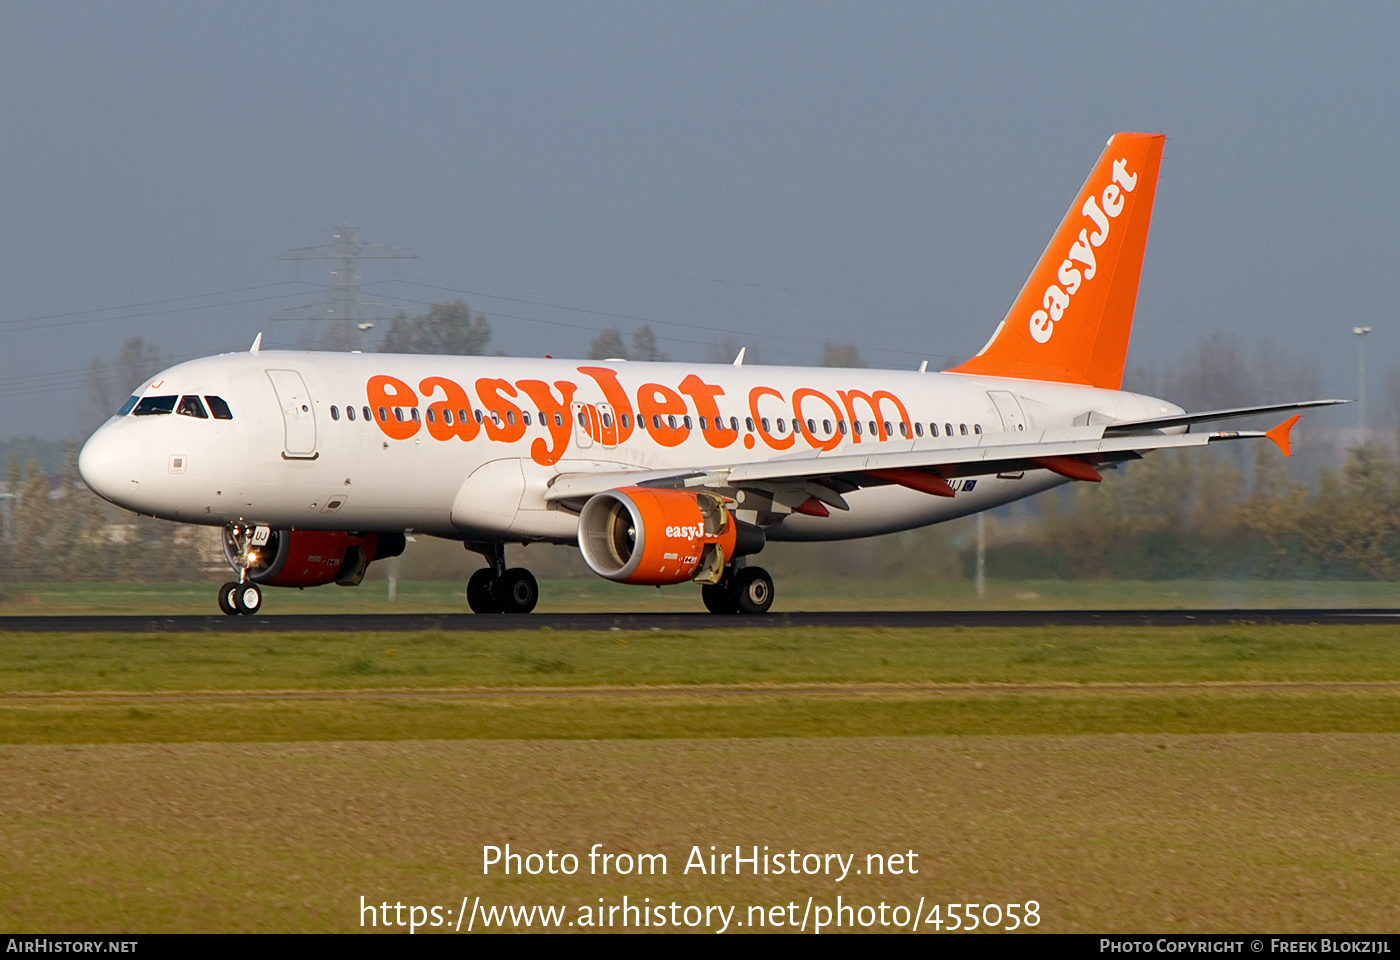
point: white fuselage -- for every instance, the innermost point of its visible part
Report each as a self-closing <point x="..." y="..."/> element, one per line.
<point x="291" y="456"/>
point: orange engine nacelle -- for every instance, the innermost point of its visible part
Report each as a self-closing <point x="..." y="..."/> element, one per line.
<point x="309" y="558"/>
<point x="641" y="535"/>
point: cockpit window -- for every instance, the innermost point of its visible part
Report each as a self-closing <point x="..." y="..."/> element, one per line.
<point x="218" y="408"/>
<point x="191" y="407"/>
<point x="154" y="406"/>
<point x="126" y="407"/>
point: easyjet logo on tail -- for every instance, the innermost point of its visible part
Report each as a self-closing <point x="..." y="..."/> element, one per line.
<point x="1079" y="264"/>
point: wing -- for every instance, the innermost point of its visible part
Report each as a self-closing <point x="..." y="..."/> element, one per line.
<point x="927" y="465"/>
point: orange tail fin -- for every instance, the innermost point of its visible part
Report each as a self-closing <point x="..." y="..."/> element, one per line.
<point x="1072" y="319"/>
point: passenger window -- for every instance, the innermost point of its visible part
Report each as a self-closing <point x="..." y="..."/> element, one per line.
<point x="398" y="414"/>
<point x="656" y="421"/>
<point x="607" y="420"/>
<point x="559" y="420"/>
<point x="811" y="427"/>
<point x="763" y="422"/>
<point x="191" y="407"/>
<point x="781" y="425"/>
<point x="977" y="429"/>
<point x="826" y="427"/>
<point x="904" y="429"/>
<point x="582" y="418"/>
<point x="641" y="422"/>
<point x="855" y="427"/>
<point x="477" y="414"/>
<point x="126" y="407"/>
<point x="962" y="428"/>
<point x="704" y="424"/>
<point x="383" y="416"/>
<point x="526" y="417"/>
<point x="933" y="429"/>
<point x="841" y="425"/>
<point x="748" y="422"/>
<point x="687" y="420"/>
<point x="432" y="417"/>
<point x="874" y="430"/>
<point x="889" y="430"/>
<point x="335" y="412"/>
<point x="446" y="416"/>
<point x="948" y="429"/>
<point x="154" y="406"/>
<point x="918" y="429"/>
<point x="510" y="417"/>
<point x="734" y="424"/>
<point x="350" y="413"/>
<point x="218" y="408"/>
<point x="368" y="415"/>
<point x="626" y="421"/>
<point x="414" y="414"/>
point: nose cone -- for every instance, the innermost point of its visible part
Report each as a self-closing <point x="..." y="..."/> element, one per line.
<point x="110" y="463"/>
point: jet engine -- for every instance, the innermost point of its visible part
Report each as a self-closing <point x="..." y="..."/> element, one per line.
<point x="309" y="558"/>
<point x="647" y="536"/>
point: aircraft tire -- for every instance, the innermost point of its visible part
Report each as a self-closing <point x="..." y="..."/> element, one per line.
<point x="517" y="591"/>
<point x="718" y="597"/>
<point x="752" y="590"/>
<point x="247" y="598"/>
<point x="481" y="593"/>
<point x="226" y="598"/>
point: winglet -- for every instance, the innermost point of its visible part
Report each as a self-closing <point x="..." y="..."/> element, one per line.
<point x="739" y="360"/>
<point x="257" y="343"/>
<point x="1279" y="434"/>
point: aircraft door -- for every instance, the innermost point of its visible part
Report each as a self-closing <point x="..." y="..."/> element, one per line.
<point x="607" y="425"/>
<point x="1013" y="420"/>
<point x="583" y="414"/>
<point x="298" y="414"/>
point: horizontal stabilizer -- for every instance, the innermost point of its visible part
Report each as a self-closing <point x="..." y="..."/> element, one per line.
<point x="1128" y="427"/>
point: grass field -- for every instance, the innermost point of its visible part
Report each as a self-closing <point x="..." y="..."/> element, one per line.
<point x="793" y="593"/>
<point x="1157" y="779"/>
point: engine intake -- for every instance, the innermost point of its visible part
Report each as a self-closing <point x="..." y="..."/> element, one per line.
<point x="309" y="558"/>
<point x="647" y="536"/>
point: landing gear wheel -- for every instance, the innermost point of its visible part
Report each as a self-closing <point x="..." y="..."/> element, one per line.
<point x="481" y="592"/>
<point x="752" y="590"/>
<point x="718" y="597"/>
<point x="517" y="591"/>
<point x="247" y="598"/>
<point x="226" y="598"/>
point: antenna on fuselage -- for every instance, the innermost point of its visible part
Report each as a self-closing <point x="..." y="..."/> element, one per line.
<point x="257" y="343"/>
<point x="923" y="367"/>
<point x="739" y="360"/>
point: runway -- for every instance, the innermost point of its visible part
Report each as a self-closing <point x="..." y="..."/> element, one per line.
<point x="419" y="622"/>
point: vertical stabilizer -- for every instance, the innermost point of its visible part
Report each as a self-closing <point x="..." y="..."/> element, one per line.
<point x="1072" y="319"/>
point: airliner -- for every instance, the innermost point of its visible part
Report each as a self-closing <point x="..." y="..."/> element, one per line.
<point x="317" y="464"/>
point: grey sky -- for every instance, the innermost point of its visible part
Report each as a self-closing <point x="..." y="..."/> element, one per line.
<point x="798" y="173"/>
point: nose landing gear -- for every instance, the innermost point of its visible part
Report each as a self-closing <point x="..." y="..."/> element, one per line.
<point x="496" y="589"/>
<point x="242" y="596"/>
<point x="236" y="598"/>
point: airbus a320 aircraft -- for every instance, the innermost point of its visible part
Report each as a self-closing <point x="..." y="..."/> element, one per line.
<point x="317" y="464"/>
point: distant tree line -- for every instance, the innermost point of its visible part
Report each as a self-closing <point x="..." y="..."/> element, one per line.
<point x="1192" y="515"/>
<point x="59" y="530"/>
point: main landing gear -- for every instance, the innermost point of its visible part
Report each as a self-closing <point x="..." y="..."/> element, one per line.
<point x="745" y="590"/>
<point x="496" y="589"/>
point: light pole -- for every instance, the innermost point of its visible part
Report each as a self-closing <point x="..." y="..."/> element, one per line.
<point x="1360" y="333"/>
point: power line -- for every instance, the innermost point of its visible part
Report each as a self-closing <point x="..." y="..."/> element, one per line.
<point x="17" y="321"/>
